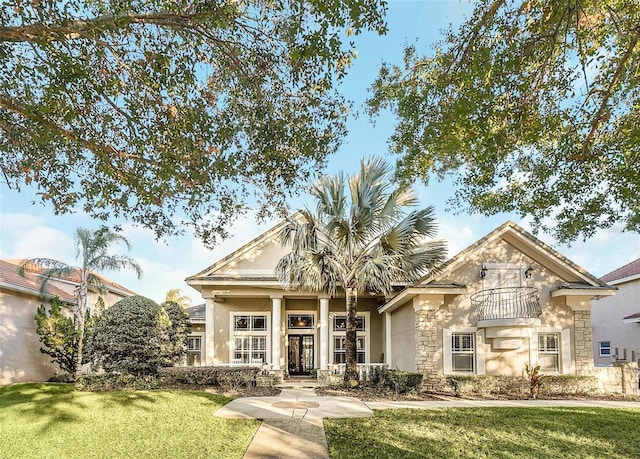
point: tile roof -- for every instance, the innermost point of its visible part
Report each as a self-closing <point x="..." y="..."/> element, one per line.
<point x="9" y="278"/>
<point x="75" y="277"/>
<point x="628" y="270"/>
<point x="196" y="312"/>
<point x="632" y="316"/>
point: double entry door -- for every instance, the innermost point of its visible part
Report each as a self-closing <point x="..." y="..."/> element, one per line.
<point x="300" y="354"/>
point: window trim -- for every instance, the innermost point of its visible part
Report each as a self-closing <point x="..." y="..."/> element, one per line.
<point x="203" y="338"/>
<point x="366" y="334"/>
<point x="233" y="333"/>
<point x="601" y="347"/>
<point x="565" y="362"/>
<point x="447" y="355"/>
<point x="556" y="351"/>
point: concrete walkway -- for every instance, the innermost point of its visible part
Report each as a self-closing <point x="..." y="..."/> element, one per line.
<point x="292" y="426"/>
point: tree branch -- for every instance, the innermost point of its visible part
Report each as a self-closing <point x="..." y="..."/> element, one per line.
<point x="600" y="114"/>
<point x="69" y="135"/>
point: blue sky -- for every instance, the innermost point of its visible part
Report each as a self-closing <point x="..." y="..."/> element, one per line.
<point x="31" y="230"/>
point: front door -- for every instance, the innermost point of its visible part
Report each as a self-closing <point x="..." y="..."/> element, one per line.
<point x="300" y="354"/>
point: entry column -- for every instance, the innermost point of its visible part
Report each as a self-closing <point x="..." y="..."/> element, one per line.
<point x="324" y="333"/>
<point x="209" y="338"/>
<point x="276" y="324"/>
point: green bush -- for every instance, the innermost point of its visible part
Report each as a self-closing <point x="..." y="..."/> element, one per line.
<point x="400" y="382"/>
<point x="178" y="332"/>
<point x="197" y="376"/>
<point x="570" y="385"/>
<point x="132" y="337"/>
<point x="58" y="335"/>
<point x="116" y="381"/>
<point x="232" y="377"/>
<point x="518" y="386"/>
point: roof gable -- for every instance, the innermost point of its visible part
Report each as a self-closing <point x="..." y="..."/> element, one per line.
<point x="527" y="244"/>
<point x="256" y="259"/>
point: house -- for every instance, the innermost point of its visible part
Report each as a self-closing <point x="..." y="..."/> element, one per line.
<point x="20" y="296"/>
<point x="616" y="319"/>
<point x="505" y="301"/>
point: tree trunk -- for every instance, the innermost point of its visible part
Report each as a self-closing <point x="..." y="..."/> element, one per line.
<point x="81" y="309"/>
<point x="351" y="351"/>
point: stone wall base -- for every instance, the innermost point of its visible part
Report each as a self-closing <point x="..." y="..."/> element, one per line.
<point x="621" y="378"/>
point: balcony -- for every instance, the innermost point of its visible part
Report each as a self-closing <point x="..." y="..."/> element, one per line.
<point x="507" y="303"/>
<point x="508" y="314"/>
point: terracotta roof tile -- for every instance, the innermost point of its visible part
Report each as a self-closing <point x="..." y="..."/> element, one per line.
<point x="74" y="276"/>
<point x="10" y="278"/>
<point x="628" y="270"/>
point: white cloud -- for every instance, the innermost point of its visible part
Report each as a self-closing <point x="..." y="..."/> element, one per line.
<point x="26" y="236"/>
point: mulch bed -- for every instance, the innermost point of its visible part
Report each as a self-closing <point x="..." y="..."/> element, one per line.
<point x="371" y="393"/>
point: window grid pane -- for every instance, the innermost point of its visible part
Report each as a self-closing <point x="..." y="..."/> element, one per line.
<point x="463" y="352"/>
<point x="548" y="351"/>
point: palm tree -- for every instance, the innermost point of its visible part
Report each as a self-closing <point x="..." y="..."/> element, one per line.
<point x="176" y="295"/>
<point x="360" y="239"/>
<point x="91" y="250"/>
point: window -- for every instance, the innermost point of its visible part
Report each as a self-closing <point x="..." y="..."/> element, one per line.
<point x="463" y="352"/>
<point x="250" y="339"/>
<point x="250" y="323"/>
<point x="338" y="339"/>
<point x="340" y="323"/>
<point x="298" y="321"/>
<point x="339" y="349"/>
<point x="549" y="351"/>
<point x="605" y="348"/>
<point x="250" y="349"/>
<point x="194" y="350"/>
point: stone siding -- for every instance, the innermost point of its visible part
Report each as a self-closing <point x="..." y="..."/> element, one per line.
<point x="583" y="346"/>
<point x="427" y="346"/>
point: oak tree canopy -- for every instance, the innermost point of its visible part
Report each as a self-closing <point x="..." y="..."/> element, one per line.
<point x="532" y="105"/>
<point x="164" y="110"/>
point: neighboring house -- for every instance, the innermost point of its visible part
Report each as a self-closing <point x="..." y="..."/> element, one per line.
<point x="506" y="301"/>
<point x="616" y="320"/>
<point x="20" y="356"/>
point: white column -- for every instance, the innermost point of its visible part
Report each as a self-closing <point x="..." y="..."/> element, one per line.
<point x="209" y="320"/>
<point x="276" y="323"/>
<point x="387" y="339"/>
<point x="324" y="333"/>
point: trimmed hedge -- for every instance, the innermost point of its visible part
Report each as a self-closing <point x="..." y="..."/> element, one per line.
<point x="116" y="381"/>
<point x="228" y="378"/>
<point x="519" y="386"/>
<point x="399" y="381"/>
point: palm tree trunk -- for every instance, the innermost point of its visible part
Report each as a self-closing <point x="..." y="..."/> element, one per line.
<point x="351" y="351"/>
<point x="80" y="318"/>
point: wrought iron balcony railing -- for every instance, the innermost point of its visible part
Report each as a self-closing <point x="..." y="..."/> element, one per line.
<point x="507" y="303"/>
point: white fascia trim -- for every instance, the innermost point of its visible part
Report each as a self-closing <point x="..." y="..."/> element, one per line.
<point x="631" y="321"/>
<point x="33" y="292"/>
<point x="624" y="280"/>
<point x="582" y="292"/>
<point x="410" y="293"/>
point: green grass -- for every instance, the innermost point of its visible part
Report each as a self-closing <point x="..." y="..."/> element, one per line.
<point x="55" y="421"/>
<point x="488" y="432"/>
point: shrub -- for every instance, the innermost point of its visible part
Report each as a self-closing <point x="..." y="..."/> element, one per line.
<point x="518" y="386"/>
<point x="232" y="378"/>
<point x="399" y="381"/>
<point x="178" y="332"/>
<point x="58" y="335"/>
<point x="198" y="376"/>
<point x="116" y="381"/>
<point x="132" y="337"/>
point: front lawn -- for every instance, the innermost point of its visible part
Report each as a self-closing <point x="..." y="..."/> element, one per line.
<point x="488" y="432"/>
<point x="55" y="421"/>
